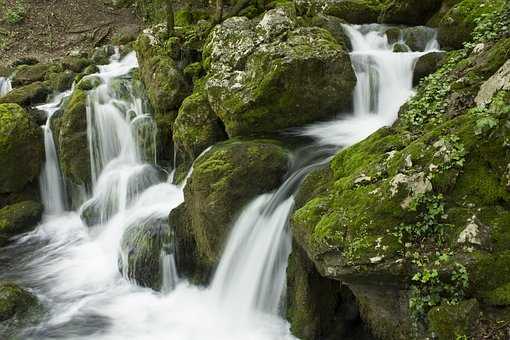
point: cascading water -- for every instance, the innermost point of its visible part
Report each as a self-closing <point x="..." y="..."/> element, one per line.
<point x="5" y="86"/>
<point x="51" y="184"/>
<point x="74" y="268"/>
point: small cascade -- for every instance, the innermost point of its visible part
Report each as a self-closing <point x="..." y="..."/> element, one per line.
<point x="5" y="86"/>
<point x="51" y="184"/>
<point x="384" y="83"/>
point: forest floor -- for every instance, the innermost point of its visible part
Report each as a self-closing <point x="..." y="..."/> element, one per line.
<point x="47" y="29"/>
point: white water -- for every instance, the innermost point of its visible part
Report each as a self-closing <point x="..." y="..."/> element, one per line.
<point x="50" y="181"/>
<point x="75" y="270"/>
<point x="385" y="82"/>
<point x="5" y="86"/>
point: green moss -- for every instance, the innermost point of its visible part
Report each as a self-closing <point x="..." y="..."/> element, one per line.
<point x="71" y="132"/>
<point x="21" y="148"/>
<point x="27" y="74"/>
<point x="224" y="180"/>
<point x="34" y="93"/>
<point x="20" y="217"/>
<point x="19" y="309"/>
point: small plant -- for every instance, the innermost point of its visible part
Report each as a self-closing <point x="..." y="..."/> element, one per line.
<point x="16" y="13"/>
<point x="430" y="288"/>
<point x="431" y="210"/>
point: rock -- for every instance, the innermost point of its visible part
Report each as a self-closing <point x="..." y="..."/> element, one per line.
<point x="224" y="180"/>
<point x="409" y="12"/>
<point x="32" y="94"/>
<point x="318" y="307"/>
<point x="19" y="218"/>
<point x="457" y="24"/>
<point x="334" y="26"/>
<point x="394" y="35"/>
<point x="401" y="48"/>
<point x="101" y="55"/>
<point x="60" y="82"/>
<point x="21" y="148"/>
<point x="18" y="310"/>
<point x="165" y="83"/>
<point x="70" y="131"/>
<point x="453" y="321"/>
<point x="75" y="64"/>
<point x="141" y="249"/>
<point x="126" y="34"/>
<point x="195" y="128"/>
<point x="88" y="83"/>
<point x="384" y="310"/>
<point x="418" y="37"/>
<point x="27" y="74"/>
<point x="499" y="81"/>
<point x="426" y="65"/>
<point x="352" y="11"/>
<point x="268" y="75"/>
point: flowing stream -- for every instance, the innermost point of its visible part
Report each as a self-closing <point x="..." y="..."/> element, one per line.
<point x="74" y="268"/>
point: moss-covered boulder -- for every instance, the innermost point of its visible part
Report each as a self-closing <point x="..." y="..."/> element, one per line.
<point x="164" y="81"/>
<point x="19" y="218"/>
<point x="27" y="74"/>
<point x="61" y="81"/>
<point x="18" y="309"/>
<point x="407" y="12"/>
<point x="457" y="24"/>
<point x="195" y="128"/>
<point x="32" y="94"/>
<point x="70" y="130"/>
<point x="142" y="247"/>
<point x="21" y="148"/>
<point x="88" y="83"/>
<point x="267" y="75"/>
<point x="224" y="180"/>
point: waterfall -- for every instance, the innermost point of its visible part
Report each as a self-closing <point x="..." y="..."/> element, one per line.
<point x="50" y="181"/>
<point x="77" y="267"/>
<point x="5" y="86"/>
<point x="384" y="83"/>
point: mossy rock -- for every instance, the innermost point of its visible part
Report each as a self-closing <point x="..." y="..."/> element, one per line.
<point x="21" y="148"/>
<point x="164" y="81"/>
<point x="60" y="82"/>
<point x="454" y="321"/>
<point x="32" y="94"/>
<point x="257" y="88"/>
<point x="19" y="218"/>
<point x="408" y="12"/>
<point x="89" y="83"/>
<point x="223" y="181"/>
<point x="141" y="249"/>
<point x="457" y="24"/>
<point x="27" y="74"/>
<point x="18" y="309"/>
<point x="75" y="64"/>
<point x="195" y="128"/>
<point x="70" y="130"/>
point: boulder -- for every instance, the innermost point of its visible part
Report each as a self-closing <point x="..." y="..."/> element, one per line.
<point x="224" y="180"/>
<point x="70" y="131"/>
<point x="27" y="74"/>
<point x="267" y="75"/>
<point x="141" y="251"/>
<point x="427" y="64"/>
<point x="60" y="82"/>
<point x="18" y="309"/>
<point x="88" y="83"/>
<point x="19" y="218"/>
<point x="32" y="94"/>
<point x="21" y="148"/>
<point x="195" y="128"/>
